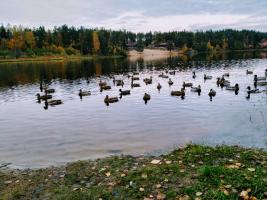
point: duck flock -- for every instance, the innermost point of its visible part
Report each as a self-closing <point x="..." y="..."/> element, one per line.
<point x="134" y="82"/>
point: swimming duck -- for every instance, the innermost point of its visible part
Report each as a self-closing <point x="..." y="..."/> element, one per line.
<point x="49" y="91"/>
<point x="54" y="102"/>
<point x="256" y="78"/>
<point x="249" y="72"/>
<point x="134" y="78"/>
<point x="233" y="88"/>
<point x="105" y="87"/>
<point x="110" y="99"/>
<point x="84" y="93"/>
<point x="172" y="73"/>
<point x="262" y="83"/>
<point x="265" y="72"/>
<point x="226" y="74"/>
<point x="101" y="83"/>
<point x="43" y="97"/>
<point x="194" y="75"/>
<point x="148" y="80"/>
<point x="125" y="92"/>
<point x="170" y="82"/>
<point x="196" y="89"/>
<point x="250" y="91"/>
<point x="212" y="93"/>
<point x="206" y="77"/>
<point x="119" y="82"/>
<point x="178" y="93"/>
<point x="163" y="75"/>
<point x="187" y="84"/>
<point x="146" y="97"/>
<point x="135" y="84"/>
<point x="159" y="86"/>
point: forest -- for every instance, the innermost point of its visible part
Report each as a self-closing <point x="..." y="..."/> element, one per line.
<point x="17" y="41"/>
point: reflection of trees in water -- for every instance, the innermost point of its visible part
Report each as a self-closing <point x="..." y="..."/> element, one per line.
<point x="23" y="73"/>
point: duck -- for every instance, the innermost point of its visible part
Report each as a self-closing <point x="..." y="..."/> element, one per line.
<point x="146" y="97"/>
<point x="170" y="82"/>
<point x="101" y="83"/>
<point x="227" y="74"/>
<point x="187" y="84"/>
<point x="105" y="87"/>
<point x="256" y="78"/>
<point x="108" y="99"/>
<point x="125" y="92"/>
<point x="250" y="91"/>
<point x="54" y="102"/>
<point x="222" y="82"/>
<point x="43" y="97"/>
<point x="212" y="93"/>
<point x="148" y="80"/>
<point x="178" y="93"/>
<point x="119" y="82"/>
<point x="233" y="88"/>
<point x="135" y="84"/>
<point x="159" y="86"/>
<point x="163" y="75"/>
<point x="172" y="73"/>
<point x="194" y="75"/>
<point x="262" y="83"/>
<point x="84" y="93"/>
<point x="265" y="72"/>
<point x="134" y="78"/>
<point x="206" y="77"/>
<point x="196" y="89"/>
<point x="249" y="72"/>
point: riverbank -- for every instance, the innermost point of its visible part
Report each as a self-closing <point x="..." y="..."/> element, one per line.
<point x="193" y="172"/>
<point x="53" y="58"/>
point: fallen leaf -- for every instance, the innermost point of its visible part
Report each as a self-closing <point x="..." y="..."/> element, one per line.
<point x="199" y="194"/>
<point x="161" y="196"/>
<point x="168" y="162"/>
<point x="155" y="162"/>
<point x="108" y="174"/>
<point x="251" y="169"/>
<point x="144" y="176"/>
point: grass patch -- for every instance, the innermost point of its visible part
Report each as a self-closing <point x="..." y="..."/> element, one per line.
<point x="223" y="172"/>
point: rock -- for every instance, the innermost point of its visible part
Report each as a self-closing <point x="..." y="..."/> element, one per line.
<point x="123" y="175"/>
<point x="141" y="189"/>
<point x="158" y="186"/>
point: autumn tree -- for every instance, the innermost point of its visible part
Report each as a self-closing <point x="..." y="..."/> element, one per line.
<point x="96" y="43"/>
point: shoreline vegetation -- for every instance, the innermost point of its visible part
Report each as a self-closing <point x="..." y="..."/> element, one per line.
<point x="192" y="172"/>
<point x="18" y="43"/>
<point x="132" y="55"/>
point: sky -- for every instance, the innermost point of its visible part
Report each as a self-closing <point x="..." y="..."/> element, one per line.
<point x="138" y="15"/>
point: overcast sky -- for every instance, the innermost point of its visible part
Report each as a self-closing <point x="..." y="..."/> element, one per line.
<point x="137" y="15"/>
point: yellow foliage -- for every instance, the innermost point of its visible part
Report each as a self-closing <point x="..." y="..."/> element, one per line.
<point x="96" y="43"/>
<point x="29" y="39"/>
<point x="209" y="46"/>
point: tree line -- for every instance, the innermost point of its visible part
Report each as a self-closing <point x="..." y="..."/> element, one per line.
<point x="17" y="41"/>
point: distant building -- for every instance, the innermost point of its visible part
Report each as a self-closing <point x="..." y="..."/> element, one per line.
<point x="263" y="43"/>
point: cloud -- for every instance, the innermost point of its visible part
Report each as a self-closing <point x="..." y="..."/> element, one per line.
<point x="133" y="15"/>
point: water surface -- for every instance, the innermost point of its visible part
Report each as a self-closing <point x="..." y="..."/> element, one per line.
<point x="31" y="136"/>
